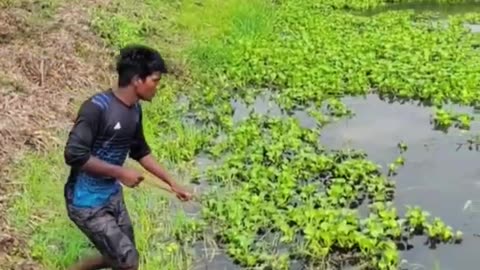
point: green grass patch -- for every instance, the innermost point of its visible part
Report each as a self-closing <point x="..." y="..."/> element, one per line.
<point x="183" y="30"/>
<point x="213" y="19"/>
<point x="149" y="22"/>
<point x="38" y="209"/>
<point x="236" y="21"/>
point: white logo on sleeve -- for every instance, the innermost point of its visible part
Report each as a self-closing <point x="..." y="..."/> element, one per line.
<point x="117" y="126"/>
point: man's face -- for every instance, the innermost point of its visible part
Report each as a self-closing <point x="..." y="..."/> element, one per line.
<point x="146" y="89"/>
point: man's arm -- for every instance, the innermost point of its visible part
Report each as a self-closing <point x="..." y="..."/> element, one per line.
<point x="77" y="152"/>
<point x="141" y="152"/>
<point x="150" y="164"/>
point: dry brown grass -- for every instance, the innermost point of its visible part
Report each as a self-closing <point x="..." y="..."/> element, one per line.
<point x="42" y="74"/>
<point x="47" y="67"/>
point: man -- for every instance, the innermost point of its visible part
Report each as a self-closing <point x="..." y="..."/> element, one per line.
<point x="108" y="128"/>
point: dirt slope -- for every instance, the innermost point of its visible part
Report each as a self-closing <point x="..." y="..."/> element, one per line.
<point x="48" y="65"/>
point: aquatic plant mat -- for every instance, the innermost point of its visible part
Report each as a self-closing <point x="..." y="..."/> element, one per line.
<point x="296" y="203"/>
<point x="256" y="114"/>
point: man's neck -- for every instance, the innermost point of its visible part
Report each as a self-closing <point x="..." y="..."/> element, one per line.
<point x="126" y="95"/>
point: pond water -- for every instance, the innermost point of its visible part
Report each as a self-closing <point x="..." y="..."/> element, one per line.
<point x="430" y="6"/>
<point x="441" y="174"/>
<point x="442" y="9"/>
<point x="438" y="175"/>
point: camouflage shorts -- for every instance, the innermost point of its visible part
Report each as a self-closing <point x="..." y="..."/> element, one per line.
<point x="110" y="230"/>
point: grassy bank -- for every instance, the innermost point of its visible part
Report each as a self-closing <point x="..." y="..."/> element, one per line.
<point x="289" y="200"/>
<point x="162" y="230"/>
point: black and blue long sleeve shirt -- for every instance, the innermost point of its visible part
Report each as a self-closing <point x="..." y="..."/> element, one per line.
<point x="110" y="130"/>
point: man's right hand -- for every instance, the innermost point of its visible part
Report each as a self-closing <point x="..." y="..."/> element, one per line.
<point x="130" y="178"/>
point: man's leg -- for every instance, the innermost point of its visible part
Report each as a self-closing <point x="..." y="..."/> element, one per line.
<point x="78" y="217"/>
<point x="102" y="229"/>
<point x="124" y="221"/>
<point x="123" y="218"/>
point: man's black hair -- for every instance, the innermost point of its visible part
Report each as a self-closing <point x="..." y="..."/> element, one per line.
<point x="138" y="60"/>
